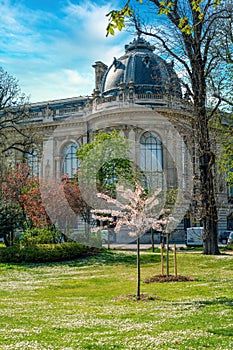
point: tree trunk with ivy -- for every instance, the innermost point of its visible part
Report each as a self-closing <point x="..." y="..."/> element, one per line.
<point x="209" y="215"/>
<point x="206" y="157"/>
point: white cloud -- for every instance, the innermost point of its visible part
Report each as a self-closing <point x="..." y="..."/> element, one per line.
<point x="51" y="53"/>
<point x="75" y="79"/>
<point x="59" y="84"/>
<point x="90" y="17"/>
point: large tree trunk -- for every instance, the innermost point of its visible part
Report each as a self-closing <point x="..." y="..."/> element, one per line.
<point x="197" y="54"/>
<point x="209" y="208"/>
<point x="207" y="192"/>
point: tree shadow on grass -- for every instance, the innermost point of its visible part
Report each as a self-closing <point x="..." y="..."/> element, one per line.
<point x="115" y="258"/>
<point x="101" y="258"/>
<point x="228" y="302"/>
<point x="227" y="332"/>
<point x="218" y="301"/>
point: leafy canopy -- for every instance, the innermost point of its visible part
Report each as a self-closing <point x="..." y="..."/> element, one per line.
<point x="105" y="160"/>
<point x="117" y="17"/>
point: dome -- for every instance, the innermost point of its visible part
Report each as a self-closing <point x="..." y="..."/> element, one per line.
<point x="141" y="67"/>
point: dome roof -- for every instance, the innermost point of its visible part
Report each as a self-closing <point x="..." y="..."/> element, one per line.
<point x="139" y="65"/>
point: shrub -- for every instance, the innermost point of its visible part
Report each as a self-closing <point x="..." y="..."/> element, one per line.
<point x="48" y="235"/>
<point x="10" y="254"/>
<point x="40" y="253"/>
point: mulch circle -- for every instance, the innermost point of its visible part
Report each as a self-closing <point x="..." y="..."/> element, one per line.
<point x="143" y="297"/>
<point x="169" y="278"/>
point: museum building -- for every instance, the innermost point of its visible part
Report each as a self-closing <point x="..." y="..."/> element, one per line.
<point x="140" y="95"/>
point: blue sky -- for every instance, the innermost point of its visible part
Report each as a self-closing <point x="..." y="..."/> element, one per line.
<point x="50" y="45"/>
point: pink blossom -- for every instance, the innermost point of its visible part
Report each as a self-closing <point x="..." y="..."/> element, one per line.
<point x="135" y="212"/>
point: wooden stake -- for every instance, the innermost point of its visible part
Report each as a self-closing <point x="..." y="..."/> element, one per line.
<point x="167" y="256"/>
<point x="175" y="261"/>
<point x="162" y="263"/>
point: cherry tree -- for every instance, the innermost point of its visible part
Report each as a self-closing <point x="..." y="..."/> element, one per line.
<point x="137" y="211"/>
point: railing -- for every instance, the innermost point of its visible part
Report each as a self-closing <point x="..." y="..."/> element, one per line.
<point x="55" y="113"/>
<point x="150" y="96"/>
<point x="123" y="100"/>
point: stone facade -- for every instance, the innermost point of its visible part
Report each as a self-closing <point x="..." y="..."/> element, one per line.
<point x="140" y="95"/>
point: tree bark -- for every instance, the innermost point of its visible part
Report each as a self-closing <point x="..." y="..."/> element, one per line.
<point x="138" y="269"/>
<point x="153" y="241"/>
<point x="209" y="208"/>
<point x="206" y="160"/>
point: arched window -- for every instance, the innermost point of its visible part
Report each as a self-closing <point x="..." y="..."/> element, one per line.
<point x="151" y="159"/>
<point x="70" y="160"/>
<point x="32" y="159"/>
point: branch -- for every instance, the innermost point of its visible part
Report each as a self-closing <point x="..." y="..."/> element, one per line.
<point x="223" y="99"/>
<point x="184" y="63"/>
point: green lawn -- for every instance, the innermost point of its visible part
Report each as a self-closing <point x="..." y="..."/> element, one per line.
<point x="77" y="305"/>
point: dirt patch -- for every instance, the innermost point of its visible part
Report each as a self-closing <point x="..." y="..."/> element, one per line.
<point x="143" y="297"/>
<point x="170" y="278"/>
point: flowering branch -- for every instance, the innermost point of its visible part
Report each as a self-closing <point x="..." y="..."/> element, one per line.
<point x="135" y="212"/>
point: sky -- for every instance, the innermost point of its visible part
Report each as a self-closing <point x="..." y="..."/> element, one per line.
<point x="51" y="45"/>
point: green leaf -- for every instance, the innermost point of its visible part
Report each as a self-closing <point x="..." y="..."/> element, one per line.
<point x="110" y="29"/>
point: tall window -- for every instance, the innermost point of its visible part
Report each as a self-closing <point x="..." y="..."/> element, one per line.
<point x="230" y="222"/>
<point x="70" y="160"/>
<point x="151" y="159"/>
<point x="230" y="193"/>
<point x="33" y="162"/>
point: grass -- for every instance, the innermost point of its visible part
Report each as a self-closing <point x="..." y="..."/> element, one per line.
<point x="76" y="305"/>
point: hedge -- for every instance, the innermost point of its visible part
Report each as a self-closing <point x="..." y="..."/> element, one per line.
<point x="41" y="253"/>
